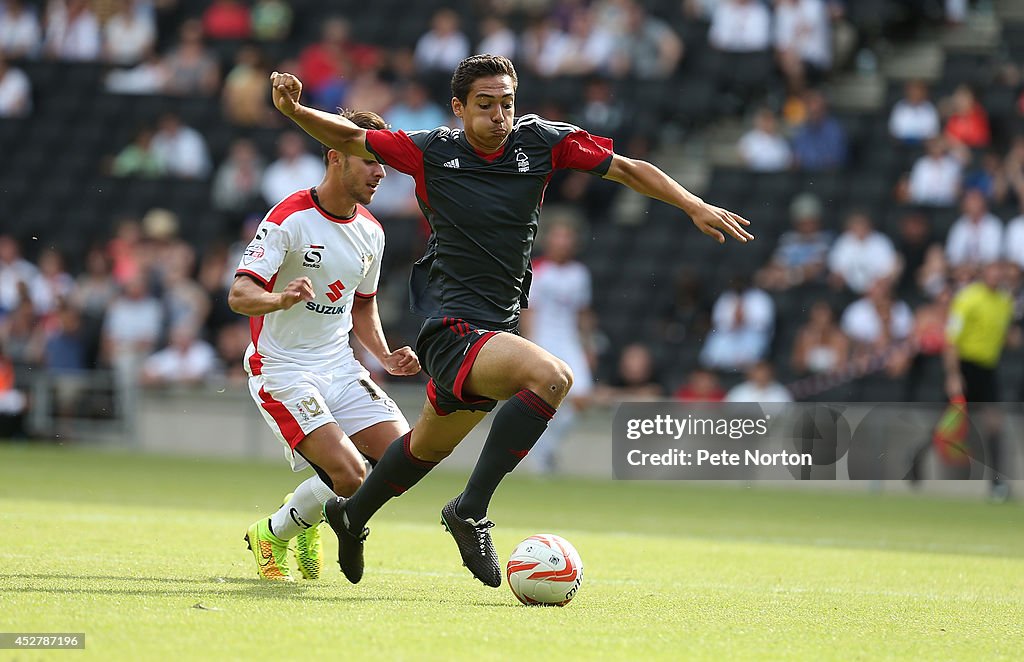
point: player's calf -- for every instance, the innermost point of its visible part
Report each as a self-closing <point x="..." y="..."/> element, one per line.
<point x="347" y="476"/>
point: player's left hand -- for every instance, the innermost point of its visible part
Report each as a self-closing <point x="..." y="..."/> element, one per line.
<point x="712" y="221"/>
<point x="402" y="362"/>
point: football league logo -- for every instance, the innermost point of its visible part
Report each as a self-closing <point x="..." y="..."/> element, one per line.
<point x="252" y="253"/>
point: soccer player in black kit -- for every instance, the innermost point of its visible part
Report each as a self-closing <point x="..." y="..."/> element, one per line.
<point x="481" y="189"/>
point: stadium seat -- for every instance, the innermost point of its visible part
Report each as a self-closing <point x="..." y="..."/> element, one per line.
<point x="970" y="68"/>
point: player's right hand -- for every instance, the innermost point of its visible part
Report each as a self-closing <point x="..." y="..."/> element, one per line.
<point x="286" y="90"/>
<point x="300" y="289"/>
<point x="402" y="362"/>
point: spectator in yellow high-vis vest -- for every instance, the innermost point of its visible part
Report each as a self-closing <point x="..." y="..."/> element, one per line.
<point x="979" y="319"/>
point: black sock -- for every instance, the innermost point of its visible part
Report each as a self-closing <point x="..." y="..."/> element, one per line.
<point x="517" y="427"/>
<point x="396" y="471"/>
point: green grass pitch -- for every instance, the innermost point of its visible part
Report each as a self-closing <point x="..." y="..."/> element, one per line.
<point x="124" y="547"/>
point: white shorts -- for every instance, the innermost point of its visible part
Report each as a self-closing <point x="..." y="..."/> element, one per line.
<point x="296" y="402"/>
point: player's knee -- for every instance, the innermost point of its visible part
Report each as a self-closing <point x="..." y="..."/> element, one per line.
<point x="423" y="448"/>
<point x="551" y="378"/>
<point x="348" y="476"/>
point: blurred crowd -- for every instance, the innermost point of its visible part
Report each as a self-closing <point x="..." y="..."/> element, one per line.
<point x="144" y="305"/>
<point x="149" y="305"/>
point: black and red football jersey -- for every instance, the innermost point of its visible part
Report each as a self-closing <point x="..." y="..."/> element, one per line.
<point x="483" y="210"/>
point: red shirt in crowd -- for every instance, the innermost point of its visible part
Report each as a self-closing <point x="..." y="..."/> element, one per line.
<point x="687" y="393"/>
<point x="970" y="128"/>
<point x="227" y="19"/>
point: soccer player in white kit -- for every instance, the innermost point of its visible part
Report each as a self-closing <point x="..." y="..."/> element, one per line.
<point x="308" y="278"/>
<point x="559" y="309"/>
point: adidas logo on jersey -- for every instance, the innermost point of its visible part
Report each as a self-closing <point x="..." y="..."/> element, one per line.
<point x="454" y="163"/>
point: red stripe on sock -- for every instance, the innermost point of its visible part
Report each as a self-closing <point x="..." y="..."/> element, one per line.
<point x="397" y="488"/>
<point x="406" y="448"/>
<point x="536" y="403"/>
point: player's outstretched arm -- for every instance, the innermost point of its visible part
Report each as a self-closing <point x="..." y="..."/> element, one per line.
<point x="366" y="325"/>
<point x="332" y="130"/>
<point x="247" y="297"/>
<point x="648" y="179"/>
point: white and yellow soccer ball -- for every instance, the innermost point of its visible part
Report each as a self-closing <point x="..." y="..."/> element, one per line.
<point x="545" y="569"/>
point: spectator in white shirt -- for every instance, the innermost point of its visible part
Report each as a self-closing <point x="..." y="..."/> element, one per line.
<point x="444" y="46"/>
<point x="17" y="275"/>
<point x="147" y="77"/>
<point x="294" y="169"/>
<point x="742" y="322"/>
<point x="759" y="387"/>
<point x="876" y="320"/>
<point x="187" y="360"/>
<point x="592" y="46"/>
<point x="131" y="328"/>
<point x="20" y="35"/>
<point x="15" y="91"/>
<point x="1015" y="241"/>
<point x="129" y="34"/>
<point x="914" y="118"/>
<point x="496" y="38"/>
<point x="72" y="31"/>
<point x="546" y="47"/>
<point x="803" y="40"/>
<point x="180" y="148"/>
<point x="741" y="26"/>
<point x="763" y="148"/>
<point x="976" y="239"/>
<point x="935" y="178"/>
<point x="861" y="255"/>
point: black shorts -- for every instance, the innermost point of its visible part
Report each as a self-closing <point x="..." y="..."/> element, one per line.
<point x="447" y="348"/>
<point x="980" y="383"/>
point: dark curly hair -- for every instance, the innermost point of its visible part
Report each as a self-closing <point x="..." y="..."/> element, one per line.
<point x="480" y="66"/>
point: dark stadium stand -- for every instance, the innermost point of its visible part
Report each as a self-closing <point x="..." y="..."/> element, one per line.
<point x="56" y="185"/>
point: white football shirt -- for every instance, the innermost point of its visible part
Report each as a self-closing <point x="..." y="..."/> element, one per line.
<point x="341" y="256"/>
<point x="558" y="294"/>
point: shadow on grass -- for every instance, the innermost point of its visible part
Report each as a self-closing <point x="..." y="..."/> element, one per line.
<point x="57" y="583"/>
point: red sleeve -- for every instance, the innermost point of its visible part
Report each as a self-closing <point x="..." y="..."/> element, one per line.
<point x="581" y="151"/>
<point x="396" y="149"/>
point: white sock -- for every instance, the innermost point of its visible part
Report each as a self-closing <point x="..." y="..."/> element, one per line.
<point x="303" y="510"/>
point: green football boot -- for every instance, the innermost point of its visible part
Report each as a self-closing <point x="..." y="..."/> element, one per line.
<point x="309" y="552"/>
<point x="270" y="552"/>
